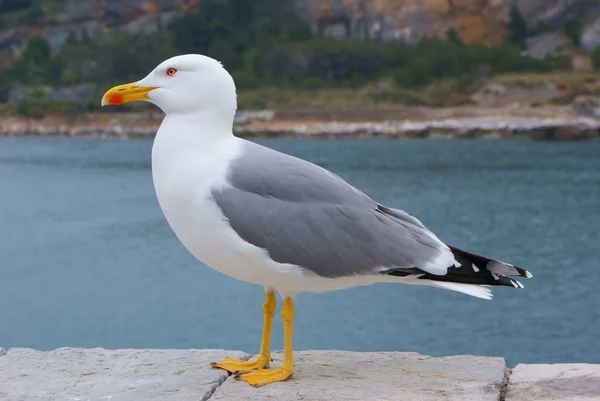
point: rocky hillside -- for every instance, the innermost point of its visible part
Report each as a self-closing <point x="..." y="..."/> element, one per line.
<point x="56" y="19"/>
<point x="477" y="21"/>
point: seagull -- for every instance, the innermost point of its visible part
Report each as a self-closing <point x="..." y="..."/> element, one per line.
<point x="274" y="220"/>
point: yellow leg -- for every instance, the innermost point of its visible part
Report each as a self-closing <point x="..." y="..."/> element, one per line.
<point x="261" y="377"/>
<point x="237" y="366"/>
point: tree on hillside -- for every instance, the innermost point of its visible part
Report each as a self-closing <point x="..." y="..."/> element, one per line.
<point x="226" y="30"/>
<point x="596" y="59"/>
<point x="573" y="30"/>
<point x="452" y="36"/>
<point x="37" y="51"/>
<point x="33" y="62"/>
<point x="7" y="6"/>
<point x="212" y="31"/>
<point x="517" y="26"/>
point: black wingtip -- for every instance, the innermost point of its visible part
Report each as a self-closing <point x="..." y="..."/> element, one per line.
<point x="523" y="272"/>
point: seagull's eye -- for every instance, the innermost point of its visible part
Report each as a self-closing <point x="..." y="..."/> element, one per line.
<point x="171" y="71"/>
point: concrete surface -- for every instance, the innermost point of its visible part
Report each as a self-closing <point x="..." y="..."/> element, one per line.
<point x="138" y="375"/>
<point x="115" y="375"/>
<point x="560" y="382"/>
<point x="352" y="376"/>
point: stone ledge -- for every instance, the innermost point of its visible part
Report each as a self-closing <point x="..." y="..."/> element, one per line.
<point x="137" y="375"/>
<point x="115" y="375"/>
<point x="354" y="376"/>
<point x="564" y="382"/>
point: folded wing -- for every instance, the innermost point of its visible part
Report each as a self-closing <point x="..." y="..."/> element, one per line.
<point x="304" y="215"/>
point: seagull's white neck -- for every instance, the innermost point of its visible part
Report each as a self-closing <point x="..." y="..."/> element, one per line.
<point x="191" y="155"/>
<point x="200" y="127"/>
<point x="191" y="143"/>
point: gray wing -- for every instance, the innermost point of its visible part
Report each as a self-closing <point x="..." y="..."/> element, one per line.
<point x="305" y="215"/>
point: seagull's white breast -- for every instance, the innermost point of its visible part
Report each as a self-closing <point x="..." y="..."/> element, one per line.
<point x="184" y="176"/>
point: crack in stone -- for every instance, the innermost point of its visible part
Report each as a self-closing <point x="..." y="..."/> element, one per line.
<point x="222" y="380"/>
<point x="214" y="388"/>
<point x="505" y="382"/>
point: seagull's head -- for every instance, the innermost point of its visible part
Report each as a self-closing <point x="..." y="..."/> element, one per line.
<point x="181" y="85"/>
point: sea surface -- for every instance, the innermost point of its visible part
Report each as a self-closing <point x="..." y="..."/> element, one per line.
<point x="88" y="260"/>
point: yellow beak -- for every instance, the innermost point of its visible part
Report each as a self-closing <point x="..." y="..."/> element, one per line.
<point x="125" y="93"/>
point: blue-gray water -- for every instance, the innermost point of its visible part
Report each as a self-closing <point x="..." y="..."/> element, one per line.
<point x="87" y="259"/>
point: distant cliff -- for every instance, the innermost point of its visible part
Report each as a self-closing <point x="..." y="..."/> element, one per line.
<point x="476" y="21"/>
<point x="56" y="20"/>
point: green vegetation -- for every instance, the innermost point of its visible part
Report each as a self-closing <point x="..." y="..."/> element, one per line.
<point x="517" y="27"/>
<point x="7" y="6"/>
<point x="265" y="46"/>
<point x="596" y="59"/>
<point x="573" y="30"/>
<point x="569" y="78"/>
<point x="383" y="93"/>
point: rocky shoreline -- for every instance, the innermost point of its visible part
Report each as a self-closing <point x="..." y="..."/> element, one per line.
<point x="258" y="124"/>
<point x="491" y="128"/>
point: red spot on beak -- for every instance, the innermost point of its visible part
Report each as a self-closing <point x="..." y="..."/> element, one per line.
<point x="115" y="98"/>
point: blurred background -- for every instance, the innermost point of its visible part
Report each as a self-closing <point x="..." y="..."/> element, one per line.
<point x="432" y="52"/>
<point x="87" y="259"/>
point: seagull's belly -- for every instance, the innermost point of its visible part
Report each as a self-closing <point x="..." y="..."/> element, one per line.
<point x="201" y="228"/>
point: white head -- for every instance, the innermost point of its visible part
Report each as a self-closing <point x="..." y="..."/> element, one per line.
<point x="185" y="84"/>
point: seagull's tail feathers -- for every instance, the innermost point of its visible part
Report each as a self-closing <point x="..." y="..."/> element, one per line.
<point x="471" y="274"/>
<point x="470" y="289"/>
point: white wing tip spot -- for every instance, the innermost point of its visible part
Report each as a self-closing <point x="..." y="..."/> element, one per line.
<point x="415" y="275"/>
<point x="517" y="284"/>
